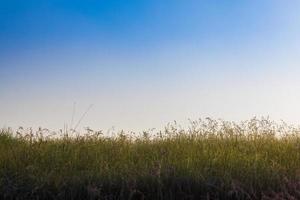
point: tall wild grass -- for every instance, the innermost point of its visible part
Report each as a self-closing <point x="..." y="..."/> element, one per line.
<point x="211" y="159"/>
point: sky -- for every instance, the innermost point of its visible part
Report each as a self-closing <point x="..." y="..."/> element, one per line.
<point x="144" y="63"/>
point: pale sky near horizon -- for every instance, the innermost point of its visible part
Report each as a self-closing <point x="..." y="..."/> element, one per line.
<point x="144" y="63"/>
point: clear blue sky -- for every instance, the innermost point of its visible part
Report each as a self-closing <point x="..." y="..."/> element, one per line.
<point x="145" y="63"/>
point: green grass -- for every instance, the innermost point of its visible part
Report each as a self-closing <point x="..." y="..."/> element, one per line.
<point x="256" y="159"/>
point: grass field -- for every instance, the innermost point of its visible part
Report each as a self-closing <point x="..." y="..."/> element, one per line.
<point x="212" y="159"/>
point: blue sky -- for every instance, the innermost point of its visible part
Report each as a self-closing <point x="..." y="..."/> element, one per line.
<point x="145" y="63"/>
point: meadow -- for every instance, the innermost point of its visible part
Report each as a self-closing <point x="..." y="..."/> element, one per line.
<point x="210" y="159"/>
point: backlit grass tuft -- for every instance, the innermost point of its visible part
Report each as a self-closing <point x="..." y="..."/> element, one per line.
<point x="211" y="159"/>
